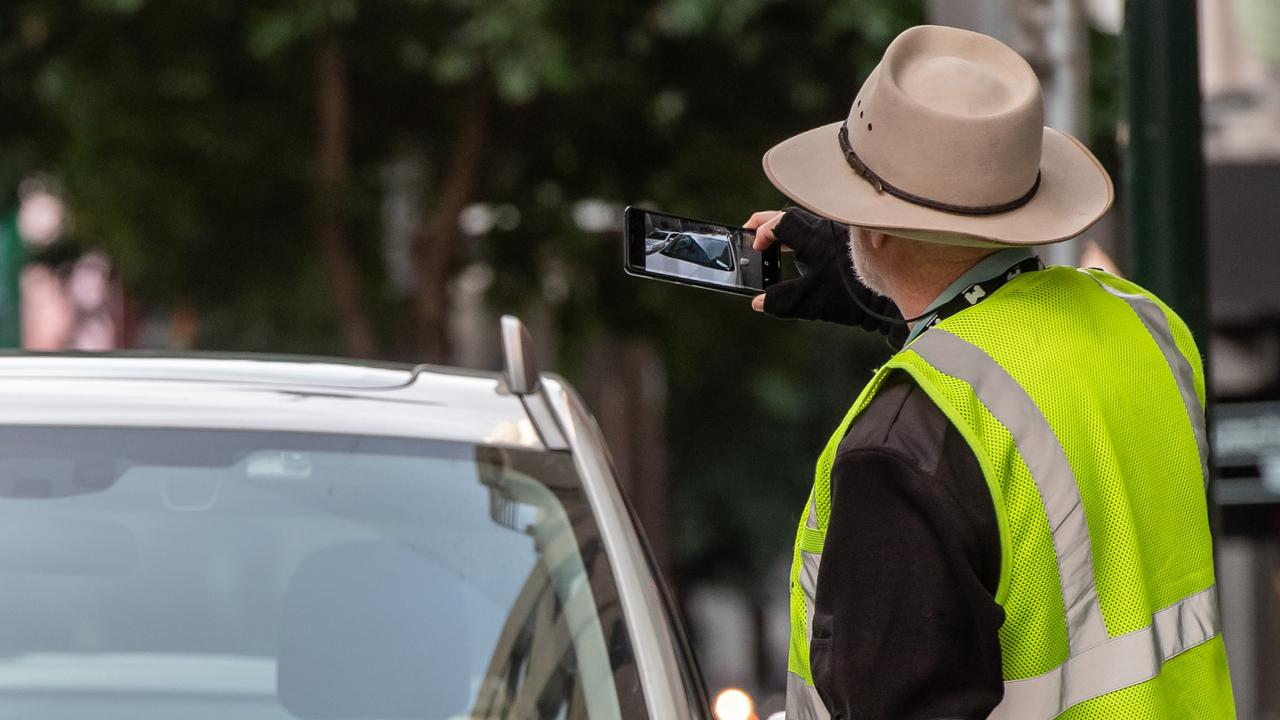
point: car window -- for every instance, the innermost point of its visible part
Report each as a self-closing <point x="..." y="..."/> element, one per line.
<point x="702" y="250"/>
<point x="155" y="573"/>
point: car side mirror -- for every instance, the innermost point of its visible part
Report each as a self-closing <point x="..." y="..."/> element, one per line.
<point x="521" y="378"/>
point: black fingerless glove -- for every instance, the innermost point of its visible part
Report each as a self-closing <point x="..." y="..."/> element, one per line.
<point x="827" y="286"/>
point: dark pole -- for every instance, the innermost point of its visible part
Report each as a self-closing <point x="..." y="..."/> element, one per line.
<point x="1164" y="168"/>
<point x="1164" y="172"/>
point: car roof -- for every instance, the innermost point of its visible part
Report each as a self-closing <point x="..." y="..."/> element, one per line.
<point x="261" y="392"/>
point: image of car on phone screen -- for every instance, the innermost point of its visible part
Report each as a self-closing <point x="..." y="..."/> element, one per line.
<point x="697" y="256"/>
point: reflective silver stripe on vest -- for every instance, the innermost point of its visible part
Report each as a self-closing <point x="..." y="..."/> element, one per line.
<point x="1039" y="448"/>
<point x="1120" y="663"/>
<point x="809" y="564"/>
<point x="1157" y="324"/>
<point x="803" y="701"/>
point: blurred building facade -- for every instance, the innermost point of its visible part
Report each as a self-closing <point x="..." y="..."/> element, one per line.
<point x="1240" y="60"/>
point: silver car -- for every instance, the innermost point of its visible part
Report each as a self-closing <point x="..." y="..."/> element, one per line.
<point x="697" y="256"/>
<point x="253" y="538"/>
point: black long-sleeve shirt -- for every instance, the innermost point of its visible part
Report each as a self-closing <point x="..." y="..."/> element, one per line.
<point x="905" y="620"/>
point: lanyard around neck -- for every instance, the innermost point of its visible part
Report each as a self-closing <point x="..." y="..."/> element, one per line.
<point x="975" y="293"/>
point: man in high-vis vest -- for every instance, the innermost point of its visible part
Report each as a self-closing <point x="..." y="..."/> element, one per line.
<point x="1011" y="520"/>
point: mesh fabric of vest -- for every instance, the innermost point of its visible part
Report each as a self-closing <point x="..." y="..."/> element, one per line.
<point x="1104" y="386"/>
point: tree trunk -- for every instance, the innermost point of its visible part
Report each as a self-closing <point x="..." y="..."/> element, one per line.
<point x="437" y="237"/>
<point x="332" y="179"/>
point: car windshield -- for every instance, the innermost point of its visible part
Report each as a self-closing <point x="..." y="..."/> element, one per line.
<point x="701" y="250"/>
<point x="157" y="573"/>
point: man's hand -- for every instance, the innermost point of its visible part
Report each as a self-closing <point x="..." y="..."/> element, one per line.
<point x="763" y="223"/>
<point x="827" y="285"/>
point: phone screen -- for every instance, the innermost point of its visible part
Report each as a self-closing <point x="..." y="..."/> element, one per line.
<point x="695" y="252"/>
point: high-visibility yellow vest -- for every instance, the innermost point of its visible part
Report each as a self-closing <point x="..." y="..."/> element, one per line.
<point x="1082" y="397"/>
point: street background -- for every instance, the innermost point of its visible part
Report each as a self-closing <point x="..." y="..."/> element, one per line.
<point x="383" y="179"/>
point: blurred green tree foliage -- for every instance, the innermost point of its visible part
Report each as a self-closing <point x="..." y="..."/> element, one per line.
<point x="230" y="155"/>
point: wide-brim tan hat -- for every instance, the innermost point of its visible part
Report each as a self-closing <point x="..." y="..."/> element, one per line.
<point x="946" y="142"/>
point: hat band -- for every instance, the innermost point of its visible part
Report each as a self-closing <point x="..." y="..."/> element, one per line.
<point x="883" y="185"/>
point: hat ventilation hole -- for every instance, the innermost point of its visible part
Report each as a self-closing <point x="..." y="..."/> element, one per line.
<point x="868" y="127"/>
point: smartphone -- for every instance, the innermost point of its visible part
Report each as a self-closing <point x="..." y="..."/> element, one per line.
<point x="695" y="252"/>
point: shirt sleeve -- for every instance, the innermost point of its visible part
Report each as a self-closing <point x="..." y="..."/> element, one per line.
<point x="905" y="621"/>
